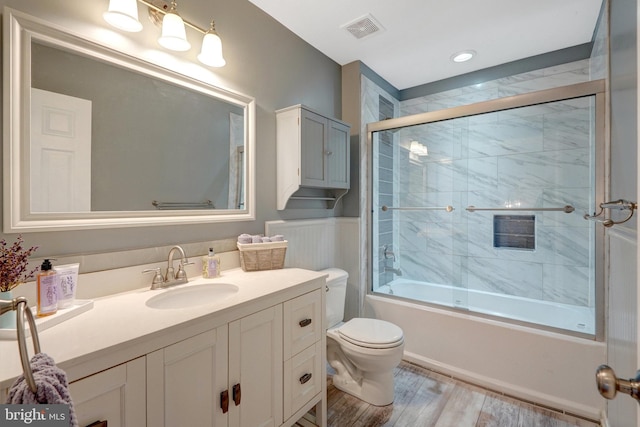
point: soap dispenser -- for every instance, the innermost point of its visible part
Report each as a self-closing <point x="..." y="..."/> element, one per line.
<point x="210" y="265"/>
<point x="47" y="290"/>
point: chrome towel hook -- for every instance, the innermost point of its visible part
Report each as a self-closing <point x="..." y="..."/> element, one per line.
<point x="617" y="205"/>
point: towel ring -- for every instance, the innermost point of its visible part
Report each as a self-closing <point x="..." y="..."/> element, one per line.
<point x="21" y="306"/>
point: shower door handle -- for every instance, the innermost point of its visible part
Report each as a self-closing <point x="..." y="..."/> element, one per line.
<point x="609" y="385"/>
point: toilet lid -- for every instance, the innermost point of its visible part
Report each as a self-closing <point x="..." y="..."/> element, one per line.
<point x="371" y="333"/>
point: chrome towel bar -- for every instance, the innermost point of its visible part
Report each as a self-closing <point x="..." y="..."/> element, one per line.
<point x="22" y="308"/>
<point x="207" y="204"/>
<point x="447" y="208"/>
<point x="565" y="209"/>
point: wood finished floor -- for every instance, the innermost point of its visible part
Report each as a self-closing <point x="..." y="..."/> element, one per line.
<point x="424" y="398"/>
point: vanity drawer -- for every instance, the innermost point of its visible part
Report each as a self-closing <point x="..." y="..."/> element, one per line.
<point x="302" y="378"/>
<point x="302" y="322"/>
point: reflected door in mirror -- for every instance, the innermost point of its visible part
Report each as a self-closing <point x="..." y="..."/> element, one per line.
<point x="60" y="165"/>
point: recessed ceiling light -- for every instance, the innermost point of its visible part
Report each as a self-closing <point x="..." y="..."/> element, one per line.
<point x="463" y="56"/>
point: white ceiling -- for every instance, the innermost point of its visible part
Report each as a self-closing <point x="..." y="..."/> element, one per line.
<point x="419" y="36"/>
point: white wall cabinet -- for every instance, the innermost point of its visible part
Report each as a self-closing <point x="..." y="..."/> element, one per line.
<point x="114" y="396"/>
<point x="312" y="157"/>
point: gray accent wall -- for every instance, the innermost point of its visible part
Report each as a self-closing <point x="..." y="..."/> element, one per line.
<point x="264" y="60"/>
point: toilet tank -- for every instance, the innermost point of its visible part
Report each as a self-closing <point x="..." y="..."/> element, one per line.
<point x="336" y="293"/>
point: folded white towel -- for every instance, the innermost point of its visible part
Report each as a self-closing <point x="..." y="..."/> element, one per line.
<point x="257" y="239"/>
<point x="277" y="238"/>
<point x="266" y="240"/>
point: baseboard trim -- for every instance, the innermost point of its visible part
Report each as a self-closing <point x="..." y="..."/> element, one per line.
<point x="545" y="401"/>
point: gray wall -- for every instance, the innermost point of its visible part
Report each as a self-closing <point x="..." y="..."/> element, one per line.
<point x="264" y="60"/>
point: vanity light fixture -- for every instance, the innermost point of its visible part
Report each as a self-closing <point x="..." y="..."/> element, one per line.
<point x="123" y="14"/>
<point x="463" y="56"/>
<point x="211" y="53"/>
<point x="174" y="35"/>
<point x="418" y="149"/>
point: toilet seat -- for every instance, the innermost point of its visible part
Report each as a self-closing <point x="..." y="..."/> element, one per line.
<point x="371" y="333"/>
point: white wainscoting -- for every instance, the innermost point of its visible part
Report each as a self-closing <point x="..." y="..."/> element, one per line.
<point x="321" y="243"/>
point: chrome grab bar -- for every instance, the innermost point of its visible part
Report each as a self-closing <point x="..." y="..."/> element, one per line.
<point x="617" y="205"/>
<point x="447" y="208"/>
<point x="21" y="306"/>
<point x="565" y="209"/>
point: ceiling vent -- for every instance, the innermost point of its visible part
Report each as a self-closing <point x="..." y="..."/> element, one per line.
<point x="365" y="26"/>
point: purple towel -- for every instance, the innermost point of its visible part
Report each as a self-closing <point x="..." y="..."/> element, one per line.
<point x="52" y="386"/>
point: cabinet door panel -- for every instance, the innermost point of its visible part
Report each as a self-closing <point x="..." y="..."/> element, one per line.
<point x="255" y="362"/>
<point x="185" y="381"/>
<point x="338" y="147"/>
<point x="314" y="136"/>
<point x="115" y="395"/>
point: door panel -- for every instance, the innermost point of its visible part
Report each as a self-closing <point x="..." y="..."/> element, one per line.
<point x="60" y="153"/>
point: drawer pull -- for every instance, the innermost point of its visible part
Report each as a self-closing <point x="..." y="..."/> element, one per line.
<point x="305" y="378"/>
<point x="304" y="322"/>
<point x="236" y="394"/>
<point x="224" y="401"/>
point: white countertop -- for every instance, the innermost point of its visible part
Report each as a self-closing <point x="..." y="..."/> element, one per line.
<point x="121" y="327"/>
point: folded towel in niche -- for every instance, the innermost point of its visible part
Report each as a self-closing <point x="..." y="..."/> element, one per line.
<point x="52" y="385"/>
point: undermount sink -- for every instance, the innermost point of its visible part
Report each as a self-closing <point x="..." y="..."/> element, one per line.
<point x="192" y="296"/>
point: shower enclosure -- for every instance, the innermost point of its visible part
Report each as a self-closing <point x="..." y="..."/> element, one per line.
<point x="480" y="208"/>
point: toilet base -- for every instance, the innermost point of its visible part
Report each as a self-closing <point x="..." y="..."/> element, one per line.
<point x="375" y="389"/>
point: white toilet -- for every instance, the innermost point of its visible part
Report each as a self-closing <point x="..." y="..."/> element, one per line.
<point x="363" y="352"/>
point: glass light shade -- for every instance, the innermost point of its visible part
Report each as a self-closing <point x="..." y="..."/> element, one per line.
<point x="211" y="52"/>
<point x="174" y="36"/>
<point x="418" y="149"/>
<point x="123" y="14"/>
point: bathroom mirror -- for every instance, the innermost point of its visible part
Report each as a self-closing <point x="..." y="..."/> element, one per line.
<point x="95" y="138"/>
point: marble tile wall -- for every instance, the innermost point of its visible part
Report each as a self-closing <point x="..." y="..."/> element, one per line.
<point x="539" y="156"/>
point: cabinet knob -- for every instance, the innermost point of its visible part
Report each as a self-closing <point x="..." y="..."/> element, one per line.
<point x="305" y="378"/>
<point x="304" y="322"/>
<point x="236" y="394"/>
<point x="328" y="152"/>
<point x="224" y="401"/>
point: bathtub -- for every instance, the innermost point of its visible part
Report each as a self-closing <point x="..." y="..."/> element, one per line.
<point x="551" y="314"/>
<point x="542" y="366"/>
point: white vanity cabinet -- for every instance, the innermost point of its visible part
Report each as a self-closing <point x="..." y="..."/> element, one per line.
<point x="114" y="396"/>
<point x="303" y="356"/>
<point x="312" y="156"/>
<point x="229" y="376"/>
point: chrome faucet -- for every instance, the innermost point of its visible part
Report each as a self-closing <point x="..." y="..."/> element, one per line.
<point x="171" y="277"/>
<point x="395" y="271"/>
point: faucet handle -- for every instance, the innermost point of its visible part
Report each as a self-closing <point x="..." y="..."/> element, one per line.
<point x="157" y="278"/>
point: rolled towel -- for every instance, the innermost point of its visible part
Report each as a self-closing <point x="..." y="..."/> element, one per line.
<point x="266" y="240"/>
<point x="257" y="239"/>
<point x="277" y="238"/>
<point x="245" y="238"/>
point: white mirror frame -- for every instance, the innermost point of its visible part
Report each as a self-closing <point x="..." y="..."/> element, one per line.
<point x="19" y="30"/>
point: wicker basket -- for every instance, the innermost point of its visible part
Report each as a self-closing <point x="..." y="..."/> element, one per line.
<point x="262" y="256"/>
